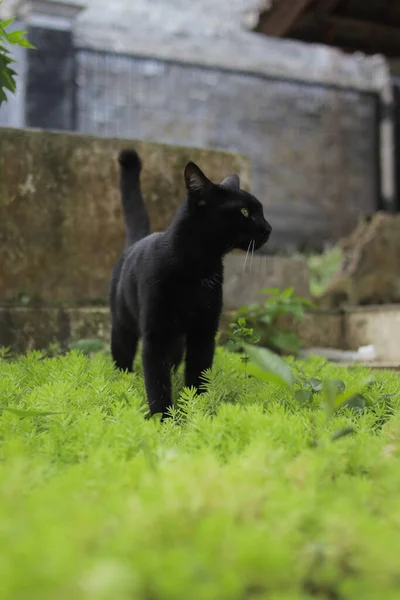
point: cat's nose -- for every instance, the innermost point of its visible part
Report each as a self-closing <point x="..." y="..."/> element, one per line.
<point x="266" y="229"/>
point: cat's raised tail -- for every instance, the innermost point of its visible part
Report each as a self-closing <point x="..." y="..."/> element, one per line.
<point x="137" y="223"/>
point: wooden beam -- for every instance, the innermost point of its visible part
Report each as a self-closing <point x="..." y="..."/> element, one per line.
<point x="325" y="7"/>
<point x="317" y="13"/>
<point x="365" y="27"/>
<point x="277" y="21"/>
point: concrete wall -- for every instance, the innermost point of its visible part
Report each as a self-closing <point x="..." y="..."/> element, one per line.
<point x="313" y="148"/>
<point x="61" y="228"/>
<point x="218" y="34"/>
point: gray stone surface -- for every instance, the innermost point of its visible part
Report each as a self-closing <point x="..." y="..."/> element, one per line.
<point x="50" y="93"/>
<point x="214" y="33"/>
<point x="217" y="33"/>
<point x="370" y="269"/>
<point x="313" y="149"/>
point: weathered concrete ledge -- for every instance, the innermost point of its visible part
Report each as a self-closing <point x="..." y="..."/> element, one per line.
<point x="24" y="328"/>
<point x="317" y="328"/>
<point x="61" y="228"/>
<point x="349" y="329"/>
<point x="27" y="328"/>
<point x="378" y="325"/>
<point x="36" y="326"/>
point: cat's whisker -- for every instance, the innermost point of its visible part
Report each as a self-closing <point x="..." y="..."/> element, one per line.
<point x="253" y="243"/>
<point x="245" y="260"/>
<point x="262" y="267"/>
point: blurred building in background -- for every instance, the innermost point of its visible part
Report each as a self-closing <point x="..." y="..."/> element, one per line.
<point x="319" y="122"/>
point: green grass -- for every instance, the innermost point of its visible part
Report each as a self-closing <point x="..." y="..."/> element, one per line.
<point x="244" y="494"/>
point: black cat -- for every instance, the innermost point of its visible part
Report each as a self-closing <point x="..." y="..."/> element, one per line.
<point x="167" y="287"/>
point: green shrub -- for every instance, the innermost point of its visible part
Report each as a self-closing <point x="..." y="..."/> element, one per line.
<point x="248" y="491"/>
<point x="7" y="73"/>
<point x="266" y="319"/>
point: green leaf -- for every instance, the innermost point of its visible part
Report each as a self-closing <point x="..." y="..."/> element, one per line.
<point x="340" y="385"/>
<point x="31" y="413"/>
<point x="253" y="306"/>
<point x="387" y="396"/>
<point x="87" y="346"/>
<point x="7" y="75"/>
<point x="288" y="293"/>
<point x="266" y="319"/>
<point x="14" y="37"/>
<point x="356" y="402"/>
<point x="269" y="364"/>
<point x="330" y="393"/>
<point x="303" y="396"/>
<point x="7" y="83"/>
<point x="5" y="24"/>
<point x="24" y="43"/>
<point x="5" y="352"/>
<point x="316" y="384"/>
<point x="252" y="370"/>
<point x="296" y="310"/>
<point x="342" y="398"/>
<point x="285" y="340"/>
<point x="307" y="302"/>
<point x="342" y="433"/>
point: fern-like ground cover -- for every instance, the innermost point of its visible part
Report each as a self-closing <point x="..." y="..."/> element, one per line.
<point x="251" y="490"/>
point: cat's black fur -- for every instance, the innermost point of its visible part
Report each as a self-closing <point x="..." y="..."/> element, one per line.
<point x="167" y="287"/>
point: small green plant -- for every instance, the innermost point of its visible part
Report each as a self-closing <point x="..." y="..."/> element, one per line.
<point x="264" y="319"/>
<point x="323" y="268"/>
<point x="330" y="394"/>
<point x="7" y="73"/>
<point x="240" y="337"/>
<point x="6" y="353"/>
<point x="89" y="347"/>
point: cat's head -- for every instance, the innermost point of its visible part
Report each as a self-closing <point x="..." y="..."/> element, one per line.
<point x="228" y="212"/>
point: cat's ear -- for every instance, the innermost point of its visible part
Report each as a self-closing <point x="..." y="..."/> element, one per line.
<point x="231" y="183"/>
<point x="197" y="183"/>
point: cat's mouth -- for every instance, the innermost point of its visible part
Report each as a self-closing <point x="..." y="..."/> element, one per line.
<point x="260" y="242"/>
<point x="256" y="242"/>
<point x="251" y="245"/>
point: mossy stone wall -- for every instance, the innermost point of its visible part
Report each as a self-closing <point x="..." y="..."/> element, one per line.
<point x="61" y="227"/>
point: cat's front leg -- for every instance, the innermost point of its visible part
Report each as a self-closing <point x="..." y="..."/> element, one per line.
<point x="157" y="373"/>
<point x="200" y="347"/>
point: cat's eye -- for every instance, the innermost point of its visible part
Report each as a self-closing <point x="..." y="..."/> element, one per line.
<point x="244" y="212"/>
